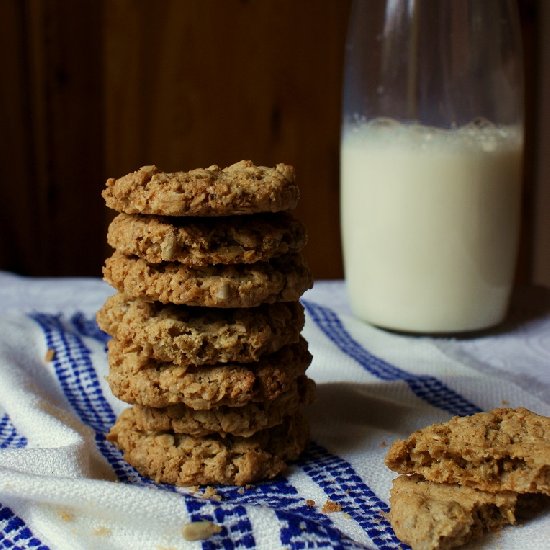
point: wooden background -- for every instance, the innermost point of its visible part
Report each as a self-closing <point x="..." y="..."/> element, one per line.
<point x="97" y="88"/>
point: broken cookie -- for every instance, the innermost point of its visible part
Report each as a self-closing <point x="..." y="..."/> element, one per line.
<point x="501" y="450"/>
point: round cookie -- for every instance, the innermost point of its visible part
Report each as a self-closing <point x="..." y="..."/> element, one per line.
<point x="138" y="379"/>
<point x="241" y="188"/>
<point x="186" y="335"/>
<point x="241" y="421"/>
<point x="207" y="241"/>
<point x="283" y="279"/>
<point x="185" y="460"/>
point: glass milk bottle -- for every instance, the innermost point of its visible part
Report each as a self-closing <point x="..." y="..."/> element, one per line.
<point x="431" y="162"/>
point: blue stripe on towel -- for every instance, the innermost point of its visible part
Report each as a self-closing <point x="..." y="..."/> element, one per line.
<point x="426" y="387"/>
<point x="235" y="521"/>
<point x="301" y="526"/>
<point x="80" y="384"/>
<point x="9" y="438"/>
<point x="76" y="375"/>
<point x="326" y="535"/>
<point x="346" y="488"/>
<point x="236" y="528"/>
<point x="14" y="533"/>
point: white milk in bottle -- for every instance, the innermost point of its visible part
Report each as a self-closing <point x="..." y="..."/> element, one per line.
<point x="430" y="222"/>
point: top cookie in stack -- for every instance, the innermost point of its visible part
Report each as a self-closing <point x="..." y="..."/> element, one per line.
<point x="207" y="261"/>
<point x="206" y="326"/>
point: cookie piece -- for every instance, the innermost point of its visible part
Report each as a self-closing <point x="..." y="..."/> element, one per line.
<point x="241" y="188"/>
<point x="185" y="460"/>
<point x="430" y="516"/>
<point x="137" y="379"/>
<point x="241" y="421"/>
<point x="196" y="336"/>
<point x="501" y="450"/>
<point x="207" y="241"/>
<point x="283" y="279"/>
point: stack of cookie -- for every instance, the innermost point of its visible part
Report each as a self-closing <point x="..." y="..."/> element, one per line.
<point x="468" y="476"/>
<point x="206" y="325"/>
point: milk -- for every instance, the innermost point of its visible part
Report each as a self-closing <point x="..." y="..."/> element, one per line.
<point x="430" y="222"/>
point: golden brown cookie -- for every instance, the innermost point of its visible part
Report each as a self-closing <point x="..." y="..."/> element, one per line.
<point x="283" y="279"/>
<point x="501" y="450"/>
<point x="190" y="335"/>
<point x="185" y="460"/>
<point x="138" y="379"/>
<point x="242" y="421"/>
<point x="207" y="241"/>
<point x="431" y="516"/>
<point x="241" y="188"/>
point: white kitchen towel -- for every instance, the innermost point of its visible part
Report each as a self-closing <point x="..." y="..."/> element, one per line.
<point x="62" y="486"/>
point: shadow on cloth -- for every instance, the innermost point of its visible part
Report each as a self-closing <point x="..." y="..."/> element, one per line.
<point x="348" y="414"/>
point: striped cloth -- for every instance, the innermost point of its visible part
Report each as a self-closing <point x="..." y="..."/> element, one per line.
<point x="63" y="486"/>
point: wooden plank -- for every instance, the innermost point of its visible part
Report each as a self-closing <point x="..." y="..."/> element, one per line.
<point x="55" y="155"/>
<point x="67" y="72"/>
<point x="206" y="82"/>
<point x="19" y="245"/>
<point x="96" y="89"/>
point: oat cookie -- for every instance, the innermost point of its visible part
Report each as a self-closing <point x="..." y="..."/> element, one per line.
<point x="186" y="335"/>
<point x="242" y="188"/>
<point x="501" y="450"/>
<point x="241" y="421"/>
<point x="185" y="460"/>
<point x="430" y="516"/>
<point x="137" y="379"/>
<point x="283" y="279"/>
<point x="207" y="241"/>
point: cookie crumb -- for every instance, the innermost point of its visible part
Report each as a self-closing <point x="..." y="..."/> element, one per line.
<point x="346" y="515"/>
<point x="102" y="531"/>
<point x="200" y="530"/>
<point x="383" y="443"/>
<point x="329" y="507"/>
<point x="505" y="402"/>
<point x="310" y="503"/>
<point x="212" y="494"/>
<point x="66" y="515"/>
<point x="241" y="490"/>
<point x="50" y="355"/>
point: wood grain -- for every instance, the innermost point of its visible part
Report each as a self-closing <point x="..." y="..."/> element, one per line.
<point x="53" y="165"/>
<point x="97" y="88"/>
<point x="19" y="245"/>
<point x="208" y="82"/>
